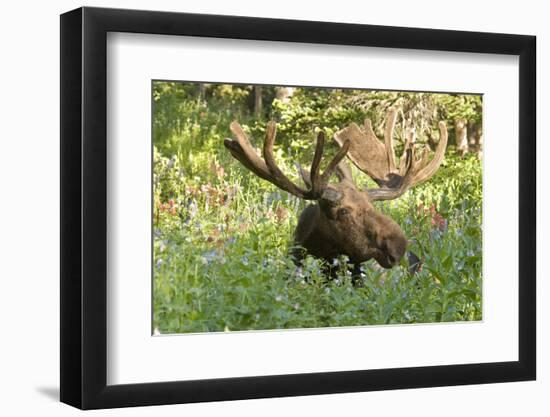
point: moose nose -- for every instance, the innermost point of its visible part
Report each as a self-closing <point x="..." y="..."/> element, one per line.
<point x="395" y="249"/>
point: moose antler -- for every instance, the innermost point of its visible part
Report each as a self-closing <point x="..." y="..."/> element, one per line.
<point x="377" y="159"/>
<point x="267" y="169"/>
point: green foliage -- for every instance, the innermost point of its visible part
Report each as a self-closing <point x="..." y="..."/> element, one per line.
<point x="222" y="236"/>
<point x="333" y="109"/>
<point x="461" y="106"/>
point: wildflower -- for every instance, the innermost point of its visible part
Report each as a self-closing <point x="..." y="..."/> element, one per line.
<point x="439" y="222"/>
<point x="209" y="256"/>
<point x="281" y="213"/>
<point x="189" y="189"/>
<point x="271" y="197"/>
<point x="192" y="207"/>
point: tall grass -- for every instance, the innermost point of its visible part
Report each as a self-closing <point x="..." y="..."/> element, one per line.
<point x="222" y="239"/>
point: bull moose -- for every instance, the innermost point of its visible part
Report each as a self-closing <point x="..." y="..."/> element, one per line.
<point x="344" y="221"/>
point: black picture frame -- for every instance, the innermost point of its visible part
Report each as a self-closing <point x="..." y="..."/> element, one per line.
<point x="84" y="207"/>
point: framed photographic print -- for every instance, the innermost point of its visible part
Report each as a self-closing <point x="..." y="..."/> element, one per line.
<point x="256" y="208"/>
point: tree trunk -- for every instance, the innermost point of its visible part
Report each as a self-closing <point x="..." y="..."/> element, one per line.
<point x="480" y="142"/>
<point x="461" y="136"/>
<point x="258" y="101"/>
<point x="476" y="138"/>
<point x="202" y="90"/>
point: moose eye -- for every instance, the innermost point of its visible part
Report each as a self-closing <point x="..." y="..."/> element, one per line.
<point x="342" y="212"/>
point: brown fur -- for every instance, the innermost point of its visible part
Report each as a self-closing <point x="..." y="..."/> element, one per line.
<point x="351" y="227"/>
<point x="344" y="221"/>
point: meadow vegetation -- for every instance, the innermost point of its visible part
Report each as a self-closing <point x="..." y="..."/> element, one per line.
<point x="222" y="236"/>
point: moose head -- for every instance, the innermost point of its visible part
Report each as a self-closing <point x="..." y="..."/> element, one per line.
<point x="344" y="220"/>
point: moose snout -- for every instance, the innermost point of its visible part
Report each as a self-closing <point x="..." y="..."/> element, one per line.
<point x="392" y="250"/>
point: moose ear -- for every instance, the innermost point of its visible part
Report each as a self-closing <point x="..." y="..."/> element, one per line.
<point x="331" y="196"/>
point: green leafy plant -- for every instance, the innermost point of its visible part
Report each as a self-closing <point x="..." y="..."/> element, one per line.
<point x="222" y="236"/>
